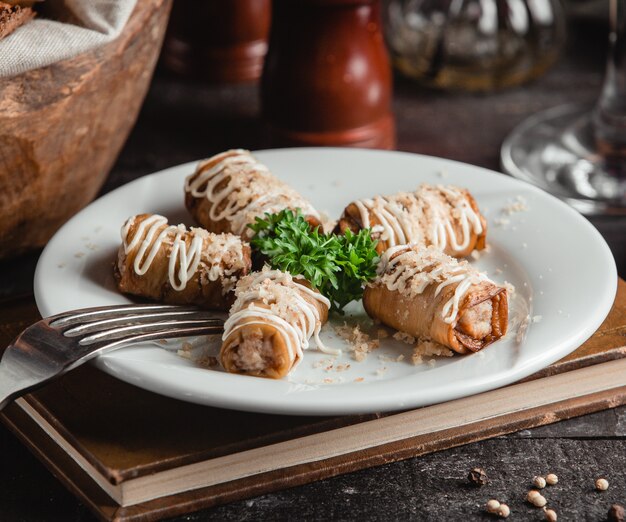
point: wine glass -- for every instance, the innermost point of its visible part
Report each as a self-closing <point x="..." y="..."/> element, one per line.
<point x="575" y="152"/>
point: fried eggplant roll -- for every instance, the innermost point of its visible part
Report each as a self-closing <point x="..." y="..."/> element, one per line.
<point x="228" y="191"/>
<point x="176" y="265"/>
<point x="270" y="324"/>
<point x="447" y="218"/>
<point x="427" y="294"/>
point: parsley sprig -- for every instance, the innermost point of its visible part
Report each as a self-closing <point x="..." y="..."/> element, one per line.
<point x="336" y="265"/>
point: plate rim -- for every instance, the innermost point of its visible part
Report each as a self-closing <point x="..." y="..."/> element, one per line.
<point x="279" y="404"/>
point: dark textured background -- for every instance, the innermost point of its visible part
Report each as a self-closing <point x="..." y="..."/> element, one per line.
<point x="182" y="122"/>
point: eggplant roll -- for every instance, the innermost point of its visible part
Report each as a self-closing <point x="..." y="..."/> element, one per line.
<point x="447" y="218"/>
<point x="228" y="191"/>
<point x="427" y="294"/>
<point x="172" y="264"/>
<point x="270" y="324"/>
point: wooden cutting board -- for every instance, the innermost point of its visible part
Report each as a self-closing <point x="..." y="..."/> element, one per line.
<point x="132" y="455"/>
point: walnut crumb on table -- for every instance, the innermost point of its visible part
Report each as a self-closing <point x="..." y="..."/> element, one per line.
<point x="477" y="477"/>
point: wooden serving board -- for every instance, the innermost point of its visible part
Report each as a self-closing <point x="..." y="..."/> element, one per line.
<point x="132" y="455"/>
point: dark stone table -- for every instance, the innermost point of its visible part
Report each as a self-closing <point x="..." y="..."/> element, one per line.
<point x="180" y="123"/>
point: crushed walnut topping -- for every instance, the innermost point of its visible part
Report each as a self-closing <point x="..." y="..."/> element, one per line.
<point x="360" y="342"/>
<point x="517" y="205"/>
<point x="424" y="350"/>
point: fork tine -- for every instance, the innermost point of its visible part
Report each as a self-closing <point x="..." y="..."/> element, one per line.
<point x="149" y="328"/>
<point x="105" y="312"/>
<point x="124" y="320"/>
<point x="151" y="336"/>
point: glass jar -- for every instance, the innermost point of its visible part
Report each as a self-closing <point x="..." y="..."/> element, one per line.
<point x="475" y="45"/>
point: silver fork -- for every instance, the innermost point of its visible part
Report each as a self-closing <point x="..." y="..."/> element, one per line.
<point x="57" y="344"/>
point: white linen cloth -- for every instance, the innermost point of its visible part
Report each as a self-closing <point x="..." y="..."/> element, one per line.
<point x="42" y="42"/>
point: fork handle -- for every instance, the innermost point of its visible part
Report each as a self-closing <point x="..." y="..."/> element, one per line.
<point x="6" y="395"/>
<point x="16" y="378"/>
<point x="20" y="373"/>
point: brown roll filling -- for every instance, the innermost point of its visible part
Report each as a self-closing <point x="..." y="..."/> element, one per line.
<point x="481" y="324"/>
<point x="256" y="350"/>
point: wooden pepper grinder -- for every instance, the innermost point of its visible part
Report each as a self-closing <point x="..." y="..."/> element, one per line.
<point x="217" y="41"/>
<point x="327" y="77"/>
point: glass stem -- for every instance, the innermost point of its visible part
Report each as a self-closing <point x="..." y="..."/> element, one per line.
<point x="609" y="118"/>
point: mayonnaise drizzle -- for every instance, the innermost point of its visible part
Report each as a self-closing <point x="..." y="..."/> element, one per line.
<point x="415" y="268"/>
<point x="427" y="216"/>
<point x="153" y="233"/>
<point x="247" y="189"/>
<point x="295" y="318"/>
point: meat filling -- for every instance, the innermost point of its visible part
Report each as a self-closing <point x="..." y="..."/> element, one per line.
<point x="253" y="353"/>
<point x="476" y="321"/>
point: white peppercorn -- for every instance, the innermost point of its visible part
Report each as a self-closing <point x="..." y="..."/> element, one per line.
<point x="539" y="482"/>
<point x="551" y="515"/>
<point x="536" y="499"/>
<point x="602" y="484"/>
<point x="493" y="505"/>
<point x="531" y="494"/>
<point x="503" y="511"/>
<point x="551" y="479"/>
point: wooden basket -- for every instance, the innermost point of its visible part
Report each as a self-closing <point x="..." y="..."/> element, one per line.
<point x="63" y="126"/>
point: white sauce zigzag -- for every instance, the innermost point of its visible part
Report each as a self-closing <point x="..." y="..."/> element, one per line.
<point x="429" y="220"/>
<point x="250" y="190"/>
<point x="415" y="268"/>
<point x="153" y="233"/>
<point x="295" y="318"/>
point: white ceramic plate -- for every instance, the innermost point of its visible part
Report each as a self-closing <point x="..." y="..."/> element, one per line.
<point x="563" y="272"/>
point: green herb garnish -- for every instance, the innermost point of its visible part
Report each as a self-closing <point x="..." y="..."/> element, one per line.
<point x="337" y="266"/>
